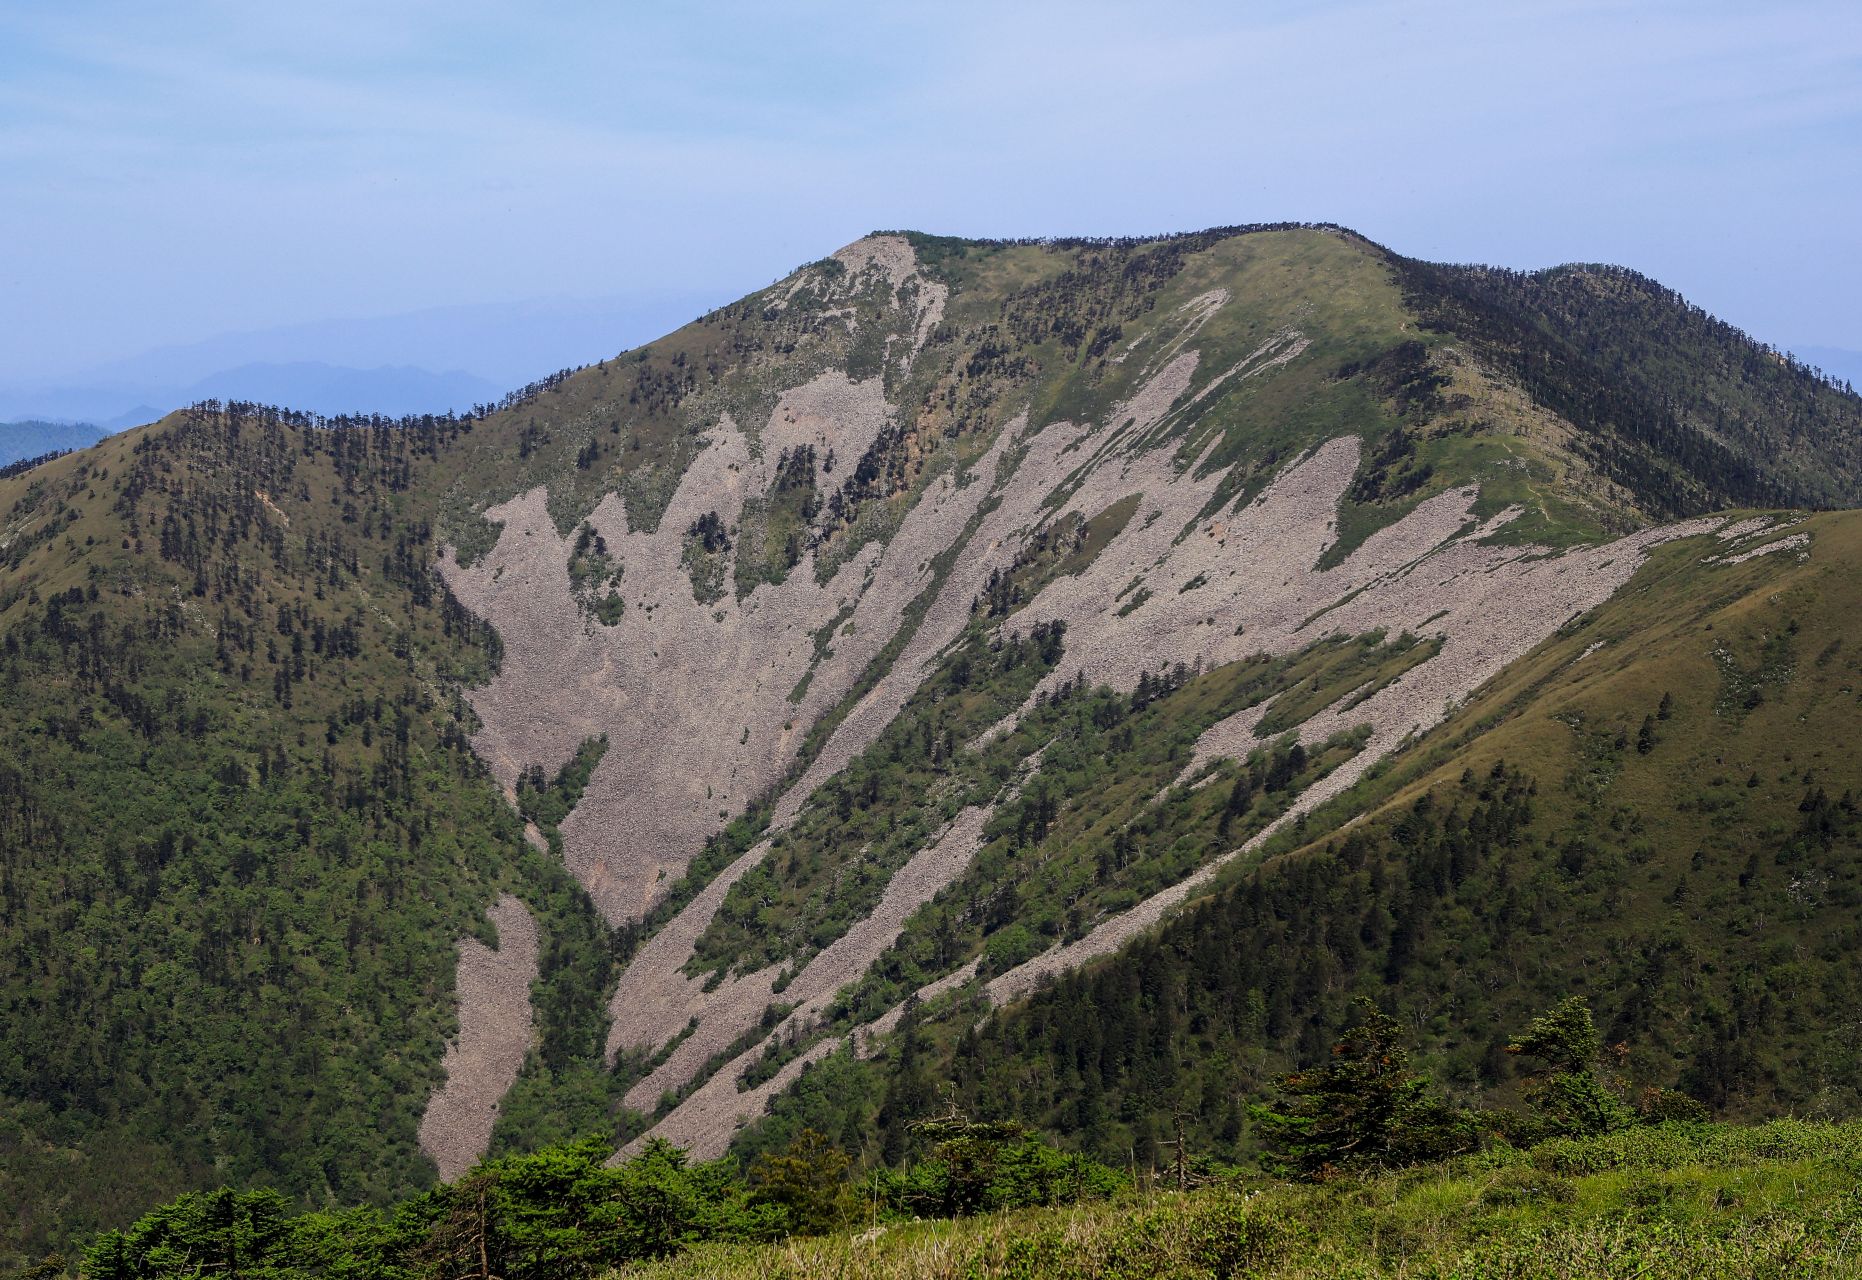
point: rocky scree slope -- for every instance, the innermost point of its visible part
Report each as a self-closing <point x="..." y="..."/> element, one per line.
<point x="1190" y="434"/>
<point x="1652" y="808"/>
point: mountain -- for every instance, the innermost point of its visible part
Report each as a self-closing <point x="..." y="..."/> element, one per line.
<point x="1067" y="671"/>
<point x="32" y="439"/>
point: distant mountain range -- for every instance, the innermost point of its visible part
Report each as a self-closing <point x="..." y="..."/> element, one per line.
<point x="304" y="384"/>
<point x="33" y="438"/>
<point x="416" y="362"/>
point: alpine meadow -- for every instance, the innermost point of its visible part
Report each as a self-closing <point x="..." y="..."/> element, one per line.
<point x="1232" y="752"/>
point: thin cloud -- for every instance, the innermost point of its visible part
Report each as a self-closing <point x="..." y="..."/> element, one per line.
<point x="212" y="163"/>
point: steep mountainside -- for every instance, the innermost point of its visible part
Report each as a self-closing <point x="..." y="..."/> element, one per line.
<point x="1654" y="809"/>
<point x="931" y="623"/>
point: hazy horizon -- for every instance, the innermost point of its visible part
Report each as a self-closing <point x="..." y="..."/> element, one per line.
<point x="214" y="173"/>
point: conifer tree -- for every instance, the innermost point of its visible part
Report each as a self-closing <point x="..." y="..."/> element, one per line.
<point x="1365" y="1109"/>
<point x="808" y="1180"/>
<point x="1568" y="1098"/>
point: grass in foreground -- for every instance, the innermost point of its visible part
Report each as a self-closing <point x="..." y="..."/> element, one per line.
<point x="1782" y="1199"/>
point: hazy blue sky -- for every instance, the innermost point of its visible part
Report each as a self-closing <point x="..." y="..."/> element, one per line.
<point x="178" y="170"/>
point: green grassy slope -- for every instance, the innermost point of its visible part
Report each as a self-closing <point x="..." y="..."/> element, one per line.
<point x="1700" y="1201"/>
<point x="1677" y="1199"/>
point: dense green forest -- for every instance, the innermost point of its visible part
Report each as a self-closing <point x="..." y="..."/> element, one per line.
<point x="239" y="810"/>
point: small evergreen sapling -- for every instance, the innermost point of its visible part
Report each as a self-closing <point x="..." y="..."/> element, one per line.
<point x="1568" y="1098"/>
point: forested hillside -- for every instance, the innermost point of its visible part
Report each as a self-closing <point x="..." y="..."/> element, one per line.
<point x="907" y="640"/>
<point x="1654" y="810"/>
<point x="243" y="825"/>
<point x="1681" y="408"/>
